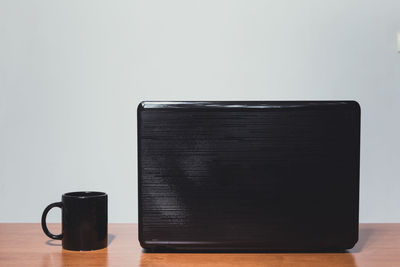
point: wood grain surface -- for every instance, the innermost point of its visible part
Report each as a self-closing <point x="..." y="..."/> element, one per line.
<point x="26" y="245"/>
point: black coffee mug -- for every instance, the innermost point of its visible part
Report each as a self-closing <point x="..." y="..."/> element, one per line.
<point x="84" y="220"/>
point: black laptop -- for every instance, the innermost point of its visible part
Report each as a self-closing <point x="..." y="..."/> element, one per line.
<point x="248" y="176"/>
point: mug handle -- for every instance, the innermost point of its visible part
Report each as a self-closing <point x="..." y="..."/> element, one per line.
<point x="44" y="225"/>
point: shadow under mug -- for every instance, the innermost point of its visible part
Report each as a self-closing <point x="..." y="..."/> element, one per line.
<point x="84" y="220"/>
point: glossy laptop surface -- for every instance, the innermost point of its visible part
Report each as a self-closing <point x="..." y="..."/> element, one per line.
<point x="248" y="176"/>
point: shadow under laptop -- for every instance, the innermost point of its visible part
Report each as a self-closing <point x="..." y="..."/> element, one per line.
<point x="168" y="257"/>
<point x="247" y="259"/>
<point x="235" y="251"/>
<point x="364" y="237"/>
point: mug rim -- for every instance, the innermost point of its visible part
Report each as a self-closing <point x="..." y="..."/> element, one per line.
<point x="84" y="194"/>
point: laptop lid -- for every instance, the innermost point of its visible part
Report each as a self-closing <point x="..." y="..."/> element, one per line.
<point x="248" y="175"/>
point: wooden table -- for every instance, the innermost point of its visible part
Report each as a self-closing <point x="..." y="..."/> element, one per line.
<point x="25" y="245"/>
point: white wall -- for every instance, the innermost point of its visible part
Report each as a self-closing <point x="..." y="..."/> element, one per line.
<point x="73" y="72"/>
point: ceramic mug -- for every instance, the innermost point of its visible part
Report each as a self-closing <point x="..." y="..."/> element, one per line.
<point x="84" y="220"/>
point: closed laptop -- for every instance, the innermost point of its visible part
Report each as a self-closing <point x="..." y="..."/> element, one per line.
<point x="273" y="176"/>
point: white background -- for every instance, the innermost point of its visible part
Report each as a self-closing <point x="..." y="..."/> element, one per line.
<point x="73" y="72"/>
